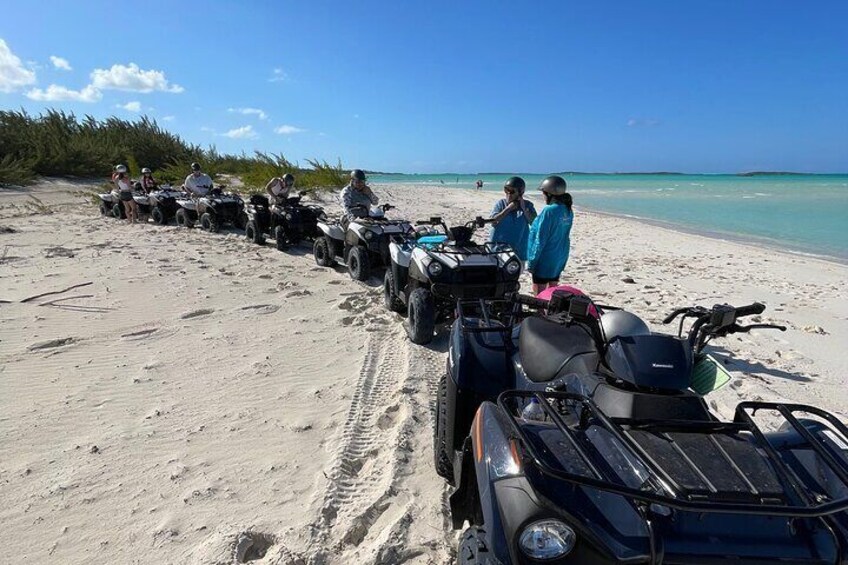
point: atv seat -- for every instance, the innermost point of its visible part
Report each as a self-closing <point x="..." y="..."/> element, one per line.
<point x="259" y="200"/>
<point x="550" y="350"/>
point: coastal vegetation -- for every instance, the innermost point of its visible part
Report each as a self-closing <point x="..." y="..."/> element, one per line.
<point x="59" y="144"/>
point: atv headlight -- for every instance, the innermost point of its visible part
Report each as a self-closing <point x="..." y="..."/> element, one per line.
<point x="547" y="539"/>
<point x="369" y="235"/>
<point x="288" y="216"/>
<point x="434" y="269"/>
<point x="513" y="267"/>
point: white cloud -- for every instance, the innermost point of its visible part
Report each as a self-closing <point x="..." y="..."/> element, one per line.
<point x="60" y="63"/>
<point x="288" y="130"/>
<point x="132" y="78"/>
<point x="645" y="122"/>
<point x="56" y="93"/>
<point x="134" y="106"/>
<point x="167" y="118"/>
<point x="13" y="75"/>
<point x="279" y="75"/>
<point x="250" y="111"/>
<point x="245" y="132"/>
<point x="206" y="128"/>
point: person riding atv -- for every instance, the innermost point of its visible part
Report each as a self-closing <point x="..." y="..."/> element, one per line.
<point x="283" y="216"/>
<point x="197" y="183"/>
<point x="279" y="188"/>
<point x="357" y="197"/>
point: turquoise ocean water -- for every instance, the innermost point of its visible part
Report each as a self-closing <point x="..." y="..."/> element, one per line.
<point x="802" y="213"/>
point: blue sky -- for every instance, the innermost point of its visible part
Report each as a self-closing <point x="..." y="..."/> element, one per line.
<point x="718" y="86"/>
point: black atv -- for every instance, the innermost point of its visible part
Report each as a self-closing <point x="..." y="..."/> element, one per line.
<point x="288" y="222"/>
<point x="213" y="210"/>
<point x="161" y="203"/>
<point x="593" y="448"/>
<point x="429" y="273"/>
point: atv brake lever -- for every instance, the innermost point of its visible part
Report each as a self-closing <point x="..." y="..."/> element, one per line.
<point x="746" y="329"/>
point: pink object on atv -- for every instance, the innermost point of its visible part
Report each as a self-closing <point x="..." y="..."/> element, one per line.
<point x="548" y="292"/>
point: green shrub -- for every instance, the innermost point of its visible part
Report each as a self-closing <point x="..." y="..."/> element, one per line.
<point x="58" y="144"/>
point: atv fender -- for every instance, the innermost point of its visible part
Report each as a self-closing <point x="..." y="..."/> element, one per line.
<point x="332" y="231"/>
<point x="398" y="255"/>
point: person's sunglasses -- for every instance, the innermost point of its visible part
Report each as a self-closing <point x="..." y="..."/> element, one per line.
<point x="508" y="191"/>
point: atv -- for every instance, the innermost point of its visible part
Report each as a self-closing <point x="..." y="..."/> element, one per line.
<point x="591" y="445"/>
<point x="160" y="204"/>
<point x="213" y="210"/>
<point x="288" y="222"/>
<point x="428" y="274"/>
<point x="361" y="243"/>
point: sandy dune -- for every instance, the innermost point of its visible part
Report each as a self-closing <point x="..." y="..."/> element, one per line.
<point x="205" y="400"/>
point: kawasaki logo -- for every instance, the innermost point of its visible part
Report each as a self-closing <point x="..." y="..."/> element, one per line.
<point x="661" y="366"/>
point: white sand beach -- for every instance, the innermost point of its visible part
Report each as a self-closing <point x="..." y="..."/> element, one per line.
<point x="203" y="400"/>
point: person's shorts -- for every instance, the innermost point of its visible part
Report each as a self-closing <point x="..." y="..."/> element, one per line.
<point x="542" y="280"/>
<point x="126" y="196"/>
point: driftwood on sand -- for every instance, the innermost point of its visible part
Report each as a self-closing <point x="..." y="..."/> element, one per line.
<point x="31" y="298"/>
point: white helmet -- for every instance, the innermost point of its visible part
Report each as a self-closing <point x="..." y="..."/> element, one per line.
<point x="121" y="169"/>
<point x="146" y="171"/>
<point x="620" y="323"/>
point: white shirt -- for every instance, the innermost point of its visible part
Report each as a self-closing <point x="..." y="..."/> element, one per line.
<point x="123" y="185"/>
<point x="278" y="188"/>
<point x="199" y="185"/>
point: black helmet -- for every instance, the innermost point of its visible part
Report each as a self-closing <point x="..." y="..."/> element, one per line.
<point x="288" y="178"/>
<point x="516" y="183"/>
<point x="357" y="174"/>
<point x="554" y="185"/>
<point x="195" y="167"/>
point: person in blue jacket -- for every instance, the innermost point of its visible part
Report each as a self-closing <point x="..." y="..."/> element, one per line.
<point x="549" y="241"/>
<point x="512" y="216"/>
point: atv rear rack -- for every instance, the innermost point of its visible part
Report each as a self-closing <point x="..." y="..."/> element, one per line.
<point x="786" y="493"/>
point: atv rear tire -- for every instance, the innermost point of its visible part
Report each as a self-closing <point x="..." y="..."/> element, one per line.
<point x="209" y="222"/>
<point x="253" y="233"/>
<point x="392" y="302"/>
<point x="104" y="209"/>
<point x="281" y="238"/>
<point x="183" y="219"/>
<point x="323" y="256"/>
<point x="421" y="319"/>
<point x="159" y="216"/>
<point x="357" y="263"/>
<point x="241" y="221"/>
<point x="472" y="547"/>
<point x="442" y="459"/>
<point x="118" y="211"/>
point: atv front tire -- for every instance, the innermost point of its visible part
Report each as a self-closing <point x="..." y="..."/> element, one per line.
<point x="323" y="256"/>
<point x="104" y="209"/>
<point x="183" y="219"/>
<point x="118" y="211"/>
<point x="253" y="233"/>
<point x="159" y="216"/>
<point x="421" y="320"/>
<point x="472" y="547"/>
<point x="281" y="238"/>
<point x="442" y="459"/>
<point x="392" y="302"/>
<point x="357" y="263"/>
<point x="209" y="222"/>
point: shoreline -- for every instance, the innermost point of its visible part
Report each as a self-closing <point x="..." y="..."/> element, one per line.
<point x="753" y="241"/>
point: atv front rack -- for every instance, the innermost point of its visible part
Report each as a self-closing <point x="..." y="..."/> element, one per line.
<point x="478" y="315"/>
<point x="707" y="466"/>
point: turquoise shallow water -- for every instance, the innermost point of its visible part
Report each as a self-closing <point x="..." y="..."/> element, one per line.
<point x="803" y="213"/>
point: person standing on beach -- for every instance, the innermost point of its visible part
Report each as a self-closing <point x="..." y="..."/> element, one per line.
<point x="512" y="217"/>
<point x="125" y="190"/>
<point x="198" y="183"/>
<point x="357" y="196"/>
<point x="549" y="241"/>
<point x="479" y="185"/>
<point x="278" y="188"/>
